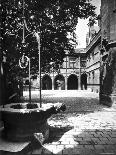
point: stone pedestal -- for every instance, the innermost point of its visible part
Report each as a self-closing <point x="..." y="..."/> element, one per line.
<point x="108" y="77"/>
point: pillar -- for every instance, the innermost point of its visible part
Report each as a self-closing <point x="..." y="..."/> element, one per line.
<point x="66" y="82"/>
<point x="108" y="49"/>
<point x="53" y="83"/>
<point x="66" y="73"/>
<point x="108" y="77"/>
<point x="79" y="78"/>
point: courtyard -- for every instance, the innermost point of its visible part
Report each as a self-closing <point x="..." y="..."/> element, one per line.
<point x="42" y="49"/>
<point x="86" y="127"/>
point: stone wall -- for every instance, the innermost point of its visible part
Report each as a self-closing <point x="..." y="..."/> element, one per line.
<point x="108" y="61"/>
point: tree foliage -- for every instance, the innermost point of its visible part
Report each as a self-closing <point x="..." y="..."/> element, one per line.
<point x="53" y="19"/>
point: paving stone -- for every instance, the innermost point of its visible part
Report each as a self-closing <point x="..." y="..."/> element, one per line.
<point x="112" y="141"/>
<point x="110" y="150"/>
<point x="85" y="128"/>
<point x="66" y="152"/>
<point x="80" y="146"/>
<point x="78" y="139"/>
<point x="90" y="147"/>
<point x="37" y="151"/>
<point x="104" y="140"/>
<point x="97" y="147"/>
<point x="60" y="148"/>
<point x="83" y="142"/>
<point x="87" y="152"/>
<point x="113" y="134"/>
<point x="64" y="141"/>
<point x="99" y="152"/>
<point x="72" y="151"/>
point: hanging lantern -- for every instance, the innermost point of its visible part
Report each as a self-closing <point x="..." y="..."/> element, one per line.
<point x="23" y="61"/>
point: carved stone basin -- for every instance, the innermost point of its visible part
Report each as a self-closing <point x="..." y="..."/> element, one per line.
<point x="23" y="120"/>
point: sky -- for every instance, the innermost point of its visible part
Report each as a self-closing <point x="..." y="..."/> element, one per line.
<point x="82" y="28"/>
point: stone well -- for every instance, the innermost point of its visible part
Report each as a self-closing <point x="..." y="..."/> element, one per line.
<point x="22" y="121"/>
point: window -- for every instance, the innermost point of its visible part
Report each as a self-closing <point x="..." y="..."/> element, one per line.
<point x="83" y="63"/>
<point x="72" y="62"/>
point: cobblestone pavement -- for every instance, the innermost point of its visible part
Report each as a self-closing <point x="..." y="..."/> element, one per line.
<point x="85" y="128"/>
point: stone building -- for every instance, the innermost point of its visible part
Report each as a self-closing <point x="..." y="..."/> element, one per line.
<point x="108" y="51"/>
<point x="70" y="75"/>
<point x="80" y="70"/>
<point x="101" y="55"/>
<point x="93" y="63"/>
<point x="93" y="46"/>
<point x="96" y="64"/>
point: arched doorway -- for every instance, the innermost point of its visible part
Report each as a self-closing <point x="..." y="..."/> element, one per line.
<point x="84" y="81"/>
<point x="72" y="82"/>
<point x="59" y="82"/>
<point x="46" y="82"/>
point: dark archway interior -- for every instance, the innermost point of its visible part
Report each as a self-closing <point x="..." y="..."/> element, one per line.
<point x="46" y="83"/>
<point x="72" y="82"/>
<point x="59" y="82"/>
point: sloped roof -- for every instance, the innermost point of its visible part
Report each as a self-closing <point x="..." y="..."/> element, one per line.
<point x="93" y="43"/>
<point x="80" y="50"/>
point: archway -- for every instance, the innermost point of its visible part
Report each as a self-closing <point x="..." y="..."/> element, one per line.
<point x="72" y="82"/>
<point x="46" y="82"/>
<point x="59" y="82"/>
<point x="84" y="81"/>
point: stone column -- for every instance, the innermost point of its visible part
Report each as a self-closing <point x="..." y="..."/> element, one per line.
<point x="53" y="83"/>
<point x="108" y="77"/>
<point x="79" y="79"/>
<point x="66" y="82"/>
<point x="66" y="75"/>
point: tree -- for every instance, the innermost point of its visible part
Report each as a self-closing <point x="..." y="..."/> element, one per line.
<point x="54" y="19"/>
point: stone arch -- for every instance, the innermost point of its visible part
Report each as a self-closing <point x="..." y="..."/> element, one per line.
<point x="46" y="82"/>
<point x="59" y="82"/>
<point x="72" y="82"/>
<point x="84" y="81"/>
<point x="27" y="82"/>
